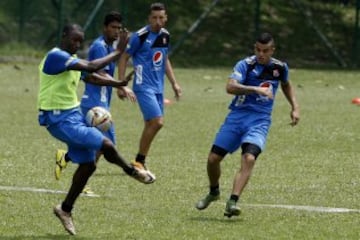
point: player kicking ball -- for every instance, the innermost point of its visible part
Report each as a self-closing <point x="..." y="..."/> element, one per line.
<point x="59" y="113"/>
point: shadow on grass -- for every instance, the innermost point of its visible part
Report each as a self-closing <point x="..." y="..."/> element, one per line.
<point x="217" y="219"/>
<point x="108" y="174"/>
<point x="43" y="237"/>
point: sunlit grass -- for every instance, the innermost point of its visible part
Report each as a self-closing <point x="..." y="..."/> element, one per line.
<point x="314" y="164"/>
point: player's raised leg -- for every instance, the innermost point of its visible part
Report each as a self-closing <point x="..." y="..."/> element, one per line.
<point x="111" y="155"/>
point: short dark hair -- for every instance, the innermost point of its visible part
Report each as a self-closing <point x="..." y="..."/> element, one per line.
<point x="70" y="27"/>
<point x="113" y="16"/>
<point x="265" y="38"/>
<point x="157" y="6"/>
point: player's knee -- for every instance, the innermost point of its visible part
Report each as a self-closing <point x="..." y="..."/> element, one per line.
<point x="160" y="124"/>
<point x="250" y="151"/>
<point x="216" y="154"/>
<point x="213" y="160"/>
<point x="249" y="158"/>
<point x="156" y="123"/>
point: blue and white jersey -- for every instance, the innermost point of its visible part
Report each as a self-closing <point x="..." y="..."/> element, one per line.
<point x="249" y="72"/>
<point x="149" y="52"/>
<point x="95" y="95"/>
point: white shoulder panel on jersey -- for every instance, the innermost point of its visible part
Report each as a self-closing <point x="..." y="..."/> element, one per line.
<point x="278" y="62"/>
<point x="250" y="60"/>
<point x="163" y="30"/>
<point x="142" y="31"/>
<point x="54" y="49"/>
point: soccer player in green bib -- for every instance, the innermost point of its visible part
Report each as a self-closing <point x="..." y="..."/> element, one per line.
<point x="59" y="112"/>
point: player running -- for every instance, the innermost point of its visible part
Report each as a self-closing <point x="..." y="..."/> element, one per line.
<point x="254" y="82"/>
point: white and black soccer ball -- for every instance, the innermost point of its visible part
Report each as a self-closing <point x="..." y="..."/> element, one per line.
<point x="100" y="118"/>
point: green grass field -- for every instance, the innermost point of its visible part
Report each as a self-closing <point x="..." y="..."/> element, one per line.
<point x="315" y="164"/>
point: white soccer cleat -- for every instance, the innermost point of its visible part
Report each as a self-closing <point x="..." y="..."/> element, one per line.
<point x="143" y="175"/>
<point x="65" y="219"/>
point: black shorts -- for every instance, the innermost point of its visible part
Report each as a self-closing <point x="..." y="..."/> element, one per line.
<point x="246" y="148"/>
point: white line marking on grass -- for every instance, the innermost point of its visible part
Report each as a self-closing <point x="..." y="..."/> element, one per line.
<point x="41" y="190"/>
<point x="292" y="207"/>
<point x="306" y="208"/>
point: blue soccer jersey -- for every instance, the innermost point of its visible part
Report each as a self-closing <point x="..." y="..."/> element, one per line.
<point x="250" y="117"/>
<point x="95" y="95"/>
<point x="250" y="73"/>
<point x="149" y="52"/>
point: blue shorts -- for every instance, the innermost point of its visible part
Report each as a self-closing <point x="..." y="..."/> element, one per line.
<point x="243" y="127"/>
<point x="110" y="134"/>
<point x="69" y="127"/>
<point x="151" y="104"/>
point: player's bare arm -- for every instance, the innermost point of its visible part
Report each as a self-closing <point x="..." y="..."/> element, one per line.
<point x="104" y="79"/>
<point x="171" y="76"/>
<point x="122" y="65"/>
<point x="236" y="88"/>
<point x="125" y="92"/>
<point x="95" y="65"/>
<point x="290" y="96"/>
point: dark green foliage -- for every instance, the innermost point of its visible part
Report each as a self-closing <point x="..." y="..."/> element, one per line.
<point x="226" y="35"/>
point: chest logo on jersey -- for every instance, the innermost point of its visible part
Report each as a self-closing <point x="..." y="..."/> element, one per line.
<point x="263" y="98"/>
<point x="157" y="58"/>
<point x="276" y="73"/>
<point x="266" y="84"/>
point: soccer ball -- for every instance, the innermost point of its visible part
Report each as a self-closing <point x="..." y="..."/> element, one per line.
<point x="100" y="118"/>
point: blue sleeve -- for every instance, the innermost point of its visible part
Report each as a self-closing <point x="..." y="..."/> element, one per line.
<point x="58" y="61"/>
<point x="239" y="71"/>
<point x="133" y="45"/>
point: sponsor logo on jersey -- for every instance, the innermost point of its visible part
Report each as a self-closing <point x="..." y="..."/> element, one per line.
<point x="263" y="98"/>
<point x="157" y="58"/>
<point x="276" y="73"/>
<point x="266" y="84"/>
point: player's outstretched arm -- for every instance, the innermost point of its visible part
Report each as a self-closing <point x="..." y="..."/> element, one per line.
<point x="99" y="63"/>
<point x="104" y="79"/>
